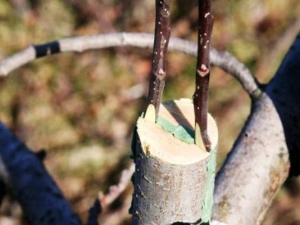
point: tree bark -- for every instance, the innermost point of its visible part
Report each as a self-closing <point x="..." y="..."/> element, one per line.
<point x="268" y="145"/>
<point x="255" y="169"/>
<point x="174" y="179"/>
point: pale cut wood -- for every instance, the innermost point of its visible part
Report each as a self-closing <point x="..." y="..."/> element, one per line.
<point x="174" y="180"/>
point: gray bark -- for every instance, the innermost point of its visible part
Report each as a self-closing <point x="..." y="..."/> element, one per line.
<point x="255" y="169"/>
<point x="260" y="160"/>
<point x="173" y="179"/>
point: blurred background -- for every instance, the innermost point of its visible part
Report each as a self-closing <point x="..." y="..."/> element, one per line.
<point x="81" y="108"/>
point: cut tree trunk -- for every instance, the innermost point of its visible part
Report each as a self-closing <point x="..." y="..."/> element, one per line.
<point x="174" y="179"/>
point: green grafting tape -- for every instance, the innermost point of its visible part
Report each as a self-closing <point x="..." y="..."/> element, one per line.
<point x="209" y="187"/>
<point x="180" y="132"/>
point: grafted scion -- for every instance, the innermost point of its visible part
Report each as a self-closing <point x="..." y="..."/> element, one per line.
<point x="161" y="41"/>
<point x="202" y="74"/>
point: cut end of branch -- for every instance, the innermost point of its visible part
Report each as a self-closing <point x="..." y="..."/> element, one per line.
<point x="170" y="168"/>
<point x="172" y="142"/>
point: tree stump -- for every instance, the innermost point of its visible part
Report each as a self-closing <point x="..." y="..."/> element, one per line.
<point x="174" y="179"/>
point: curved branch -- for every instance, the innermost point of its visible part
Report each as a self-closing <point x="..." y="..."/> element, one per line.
<point x="223" y="60"/>
<point x="231" y="65"/>
<point x="266" y="151"/>
<point x="255" y="169"/>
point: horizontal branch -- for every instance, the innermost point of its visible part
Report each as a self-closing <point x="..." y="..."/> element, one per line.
<point x="224" y="60"/>
<point x="231" y="65"/>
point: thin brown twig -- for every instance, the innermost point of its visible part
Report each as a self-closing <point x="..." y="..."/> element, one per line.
<point x="116" y="190"/>
<point x="202" y="74"/>
<point x="161" y="41"/>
